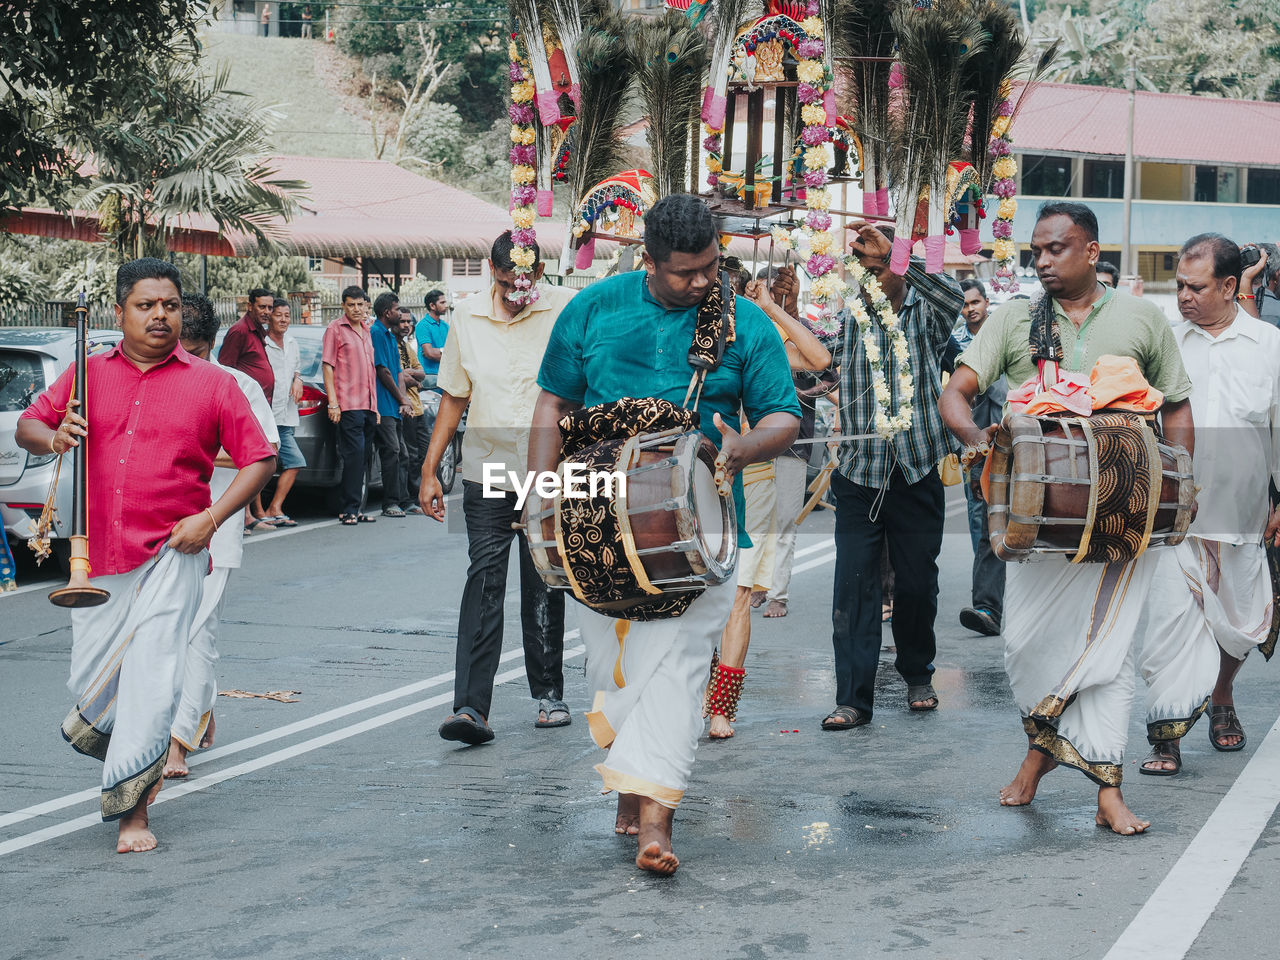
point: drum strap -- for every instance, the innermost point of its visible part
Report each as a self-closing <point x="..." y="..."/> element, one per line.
<point x="713" y="331"/>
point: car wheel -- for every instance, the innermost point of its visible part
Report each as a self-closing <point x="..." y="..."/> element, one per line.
<point x="447" y="473"/>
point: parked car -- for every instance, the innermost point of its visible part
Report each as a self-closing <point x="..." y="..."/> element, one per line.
<point x="32" y="358"/>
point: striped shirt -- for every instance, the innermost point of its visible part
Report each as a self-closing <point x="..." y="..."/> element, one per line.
<point x="929" y="310"/>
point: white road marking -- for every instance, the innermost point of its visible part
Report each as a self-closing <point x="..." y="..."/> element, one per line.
<point x="258" y="763"/>
<point x="1171" y="920"/>
<point x="279" y="733"/>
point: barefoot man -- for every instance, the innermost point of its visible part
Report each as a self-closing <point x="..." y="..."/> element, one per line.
<point x="194" y="725"/>
<point x="159" y="417"/>
<point x="1069" y="627"/>
<point x="634" y="336"/>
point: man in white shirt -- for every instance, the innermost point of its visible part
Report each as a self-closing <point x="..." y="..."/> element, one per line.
<point x="193" y="726"/>
<point x="1233" y="360"/>
<point x="286" y="364"/>
<point x="489" y="368"/>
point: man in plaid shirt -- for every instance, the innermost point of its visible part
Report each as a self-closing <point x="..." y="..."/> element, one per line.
<point x="889" y="489"/>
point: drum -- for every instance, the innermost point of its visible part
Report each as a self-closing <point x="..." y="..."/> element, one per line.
<point x="1098" y="489"/>
<point x="645" y="547"/>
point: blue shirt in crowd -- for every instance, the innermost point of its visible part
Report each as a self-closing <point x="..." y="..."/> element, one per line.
<point x="430" y="332"/>
<point x="386" y="354"/>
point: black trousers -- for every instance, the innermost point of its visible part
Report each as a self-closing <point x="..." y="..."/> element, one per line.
<point x="393" y="454"/>
<point x="489" y="536"/>
<point x="355" y="447"/>
<point x="909" y="520"/>
<point x="417" y="435"/>
<point x="988" y="569"/>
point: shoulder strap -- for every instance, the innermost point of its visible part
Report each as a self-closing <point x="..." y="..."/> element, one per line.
<point x="713" y="331"/>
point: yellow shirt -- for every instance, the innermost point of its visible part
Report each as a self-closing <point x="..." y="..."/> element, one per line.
<point x="495" y="363"/>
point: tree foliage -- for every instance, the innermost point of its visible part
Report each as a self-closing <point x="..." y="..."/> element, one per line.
<point x="236" y="276"/>
<point x="60" y="62"/>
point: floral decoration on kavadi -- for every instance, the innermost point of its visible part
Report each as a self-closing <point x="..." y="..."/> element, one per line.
<point x="1004" y="251"/>
<point x="887" y="423"/>
<point x="815" y="91"/>
<point x="524" y="175"/>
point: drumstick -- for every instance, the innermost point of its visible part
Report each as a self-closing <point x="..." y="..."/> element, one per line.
<point x="723" y="483"/>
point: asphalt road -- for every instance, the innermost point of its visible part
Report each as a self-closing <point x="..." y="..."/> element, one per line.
<point x="341" y="826"/>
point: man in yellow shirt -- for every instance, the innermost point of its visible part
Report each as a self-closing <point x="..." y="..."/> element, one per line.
<point x="490" y="367"/>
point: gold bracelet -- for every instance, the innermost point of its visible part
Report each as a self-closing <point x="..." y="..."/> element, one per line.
<point x="52" y="448"/>
<point x="213" y="518"/>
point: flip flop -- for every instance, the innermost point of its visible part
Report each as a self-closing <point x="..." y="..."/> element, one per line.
<point x="1223" y="722"/>
<point x="257" y="522"/>
<point x="281" y="520"/>
<point x="551" y="708"/>
<point x="1164" y="750"/>
<point x="364" y="518"/>
<point x="845" y="718"/>
<point x="466" y="726"/>
<point x="922" y="693"/>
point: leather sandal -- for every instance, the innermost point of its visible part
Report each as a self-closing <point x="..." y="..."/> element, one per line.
<point x="1223" y="722"/>
<point x="922" y="693"/>
<point x="845" y="718"/>
<point x="1165" y="751"/>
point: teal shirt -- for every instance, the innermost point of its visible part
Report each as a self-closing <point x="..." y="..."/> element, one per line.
<point x="615" y="340"/>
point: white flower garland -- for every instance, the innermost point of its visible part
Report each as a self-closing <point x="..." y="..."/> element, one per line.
<point x="887" y="424"/>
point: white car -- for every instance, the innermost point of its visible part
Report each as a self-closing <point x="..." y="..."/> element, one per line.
<point x="31" y="358"/>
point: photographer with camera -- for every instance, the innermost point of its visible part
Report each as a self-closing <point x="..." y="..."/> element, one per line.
<point x="1261" y="278"/>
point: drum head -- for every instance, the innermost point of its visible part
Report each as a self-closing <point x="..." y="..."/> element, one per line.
<point x="706" y="504"/>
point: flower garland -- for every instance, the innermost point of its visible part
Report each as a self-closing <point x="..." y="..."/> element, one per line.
<point x="1004" y="250"/>
<point x="524" y="175"/>
<point x="887" y="424"/>
<point x="814" y="90"/>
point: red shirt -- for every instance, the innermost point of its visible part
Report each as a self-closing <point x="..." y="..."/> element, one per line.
<point x="349" y="350"/>
<point x="152" y="440"/>
<point x="245" y="348"/>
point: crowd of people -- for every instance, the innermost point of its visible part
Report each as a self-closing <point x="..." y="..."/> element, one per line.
<point x="529" y="370"/>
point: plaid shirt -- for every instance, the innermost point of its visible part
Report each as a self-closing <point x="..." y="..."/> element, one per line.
<point x="932" y="303"/>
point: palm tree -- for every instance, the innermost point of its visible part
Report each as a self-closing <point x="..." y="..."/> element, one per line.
<point x="186" y="146"/>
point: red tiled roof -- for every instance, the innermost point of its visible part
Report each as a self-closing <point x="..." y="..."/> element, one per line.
<point x="1072" y="118"/>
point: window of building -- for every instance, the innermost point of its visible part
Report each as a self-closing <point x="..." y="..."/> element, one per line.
<point x="246" y="7"/>
<point x="468" y="268"/>
<point x="1264" y="186"/>
<point x="1044" y="176"/>
<point x="1104" y="178"/>
<point x="1206" y="185"/>
<point x="315" y="264"/>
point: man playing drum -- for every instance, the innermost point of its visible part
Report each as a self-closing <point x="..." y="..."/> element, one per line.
<point x="631" y="336"/>
<point x="1234" y="362"/>
<point x="1070" y="628"/>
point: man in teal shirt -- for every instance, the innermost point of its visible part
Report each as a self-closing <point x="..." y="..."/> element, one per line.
<point x="629" y="336"/>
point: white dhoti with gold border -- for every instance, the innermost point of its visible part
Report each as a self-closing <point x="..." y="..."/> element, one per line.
<point x="649" y="678"/>
<point x="1069" y="634"/>
<point x="128" y="658"/>
<point x="200" y="683"/>
<point x="760" y="510"/>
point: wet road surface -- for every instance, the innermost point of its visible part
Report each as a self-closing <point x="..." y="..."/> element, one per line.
<point x="341" y="826"/>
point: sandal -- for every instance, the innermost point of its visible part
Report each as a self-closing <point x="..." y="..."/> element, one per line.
<point x="549" y="708"/>
<point x="1164" y="751"/>
<point x="1223" y="722"/>
<point x="466" y="726"/>
<point x="363" y="518"/>
<point x="347" y="519"/>
<point x="253" y="525"/>
<point x="845" y="718"/>
<point x="280" y="520"/>
<point x="921" y="693"/>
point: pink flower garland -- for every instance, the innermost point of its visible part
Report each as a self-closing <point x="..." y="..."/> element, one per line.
<point x="524" y="175"/>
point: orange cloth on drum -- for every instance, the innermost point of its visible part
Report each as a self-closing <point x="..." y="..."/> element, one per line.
<point x="1115" y="383"/>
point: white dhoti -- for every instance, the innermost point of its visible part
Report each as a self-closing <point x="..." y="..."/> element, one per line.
<point x="1069" y="652"/>
<point x="1179" y="660"/>
<point x="200" y="683"/>
<point x="1232" y="582"/>
<point x="127" y="662"/>
<point x="755" y="563"/>
<point x="649" y="678"/>
<point x="790" y="473"/>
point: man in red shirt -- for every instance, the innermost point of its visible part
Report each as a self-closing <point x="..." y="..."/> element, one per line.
<point x="159" y="419"/>
<point x="244" y="348"/>
<point x="349" y="381"/>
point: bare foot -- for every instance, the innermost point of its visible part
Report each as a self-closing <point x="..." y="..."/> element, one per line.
<point x="720" y="728"/>
<point x="655" y="853"/>
<point x="758" y="597"/>
<point x="628" y="822"/>
<point x="135" y="836"/>
<point x="175" y="767"/>
<point x="1023" y="788"/>
<point x="207" y="740"/>
<point x="1114" y="813"/>
<point x="776" y="608"/>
